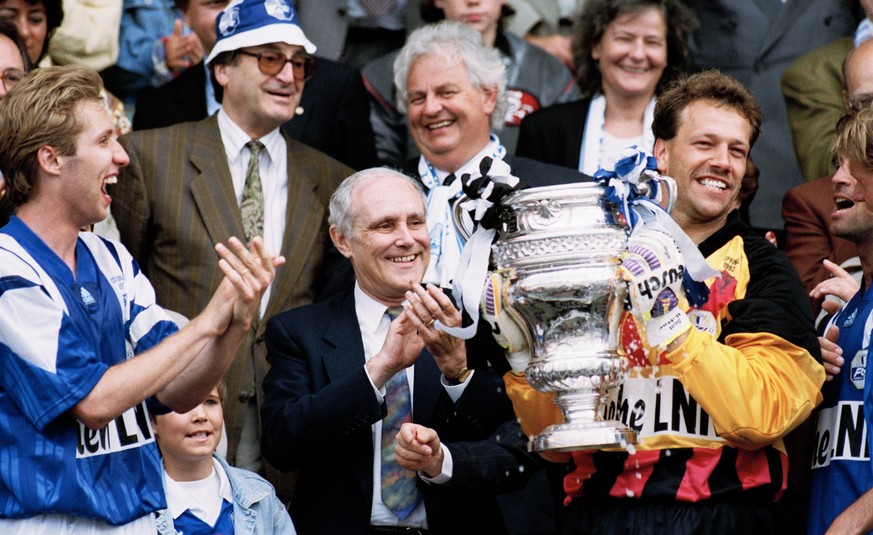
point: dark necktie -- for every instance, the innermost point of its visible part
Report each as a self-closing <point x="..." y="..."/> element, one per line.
<point x="252" y="205"/>
<point x="399" y="491"/>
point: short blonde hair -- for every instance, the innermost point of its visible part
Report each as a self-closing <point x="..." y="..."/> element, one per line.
<point x="40" y="111"/>
<point x="855" y="138"/>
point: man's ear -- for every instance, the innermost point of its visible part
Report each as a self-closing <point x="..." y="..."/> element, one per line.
<point x="489" y="99"/>
<point x="220" y="74"/>
<point x="49" y="160"/>
<point x="661" y="155"/>
<point x="340" y="241"/>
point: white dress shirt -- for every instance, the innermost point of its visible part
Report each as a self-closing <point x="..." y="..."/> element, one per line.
<point x="274" y="180"/>
<point x="374" y="324"/>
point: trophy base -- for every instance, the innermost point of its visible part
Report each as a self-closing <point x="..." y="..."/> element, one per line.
<point x="584" y="436"/>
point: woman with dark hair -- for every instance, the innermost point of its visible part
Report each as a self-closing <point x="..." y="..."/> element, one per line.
<point x="36" y="21"/>
<point x="626" y="52"/>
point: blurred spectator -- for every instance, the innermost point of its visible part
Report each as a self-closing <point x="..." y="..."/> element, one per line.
<point x="626" y="52"/>
<point x="36" y="21"/>
<point x="88" y="34"/>
<point x="154" y="46"/>
<point x="546" y="24"/>
<point x="534" y="78"/>
<point x="811" y="88"/>
<point x="356" y="32"/>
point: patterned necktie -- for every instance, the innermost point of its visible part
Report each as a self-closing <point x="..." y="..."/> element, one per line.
<point x="399" y="492"/>
<point x="252" y="206"/>
<point x="377" y="8"/>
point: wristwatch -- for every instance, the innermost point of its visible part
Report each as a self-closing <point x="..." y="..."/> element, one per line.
<point x="462" y="376"/>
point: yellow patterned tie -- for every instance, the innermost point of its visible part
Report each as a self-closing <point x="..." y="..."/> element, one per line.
<point x="252" y="205"/>
<point x="399" y="492"/>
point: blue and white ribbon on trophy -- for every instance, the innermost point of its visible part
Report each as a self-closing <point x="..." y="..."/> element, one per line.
<point x="643" y="208"/>
<point x="639" y="202"/>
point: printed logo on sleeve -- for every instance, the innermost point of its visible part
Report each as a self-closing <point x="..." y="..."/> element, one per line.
<point x="132" y="429"/>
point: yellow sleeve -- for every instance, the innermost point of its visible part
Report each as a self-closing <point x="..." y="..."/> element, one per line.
<point x="757" y="387"/>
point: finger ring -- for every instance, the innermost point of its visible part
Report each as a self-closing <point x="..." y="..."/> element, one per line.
<point x="428" y="324"/>
<point x="242" y="273"/>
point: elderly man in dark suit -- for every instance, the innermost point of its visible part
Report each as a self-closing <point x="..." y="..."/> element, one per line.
<point x="333" y="115"/>
<point x="192" y="185"/>
<point x="336" y="367"/>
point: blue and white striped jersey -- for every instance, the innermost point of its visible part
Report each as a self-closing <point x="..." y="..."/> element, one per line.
<point x="59" y="333"/>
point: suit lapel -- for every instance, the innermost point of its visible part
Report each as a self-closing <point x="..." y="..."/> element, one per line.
<point x="212" y="188"/>
<point x="343" y="340"/>
<point x="770" y="8"/>
<point x="304" y="223"/>
<point x="786" y="16"/>
<point x="343" y="356"/>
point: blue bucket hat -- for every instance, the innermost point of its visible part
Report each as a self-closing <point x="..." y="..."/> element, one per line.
<point x="246" y="23"/>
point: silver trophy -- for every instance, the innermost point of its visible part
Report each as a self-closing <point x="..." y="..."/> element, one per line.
<point x="560" y="248"/>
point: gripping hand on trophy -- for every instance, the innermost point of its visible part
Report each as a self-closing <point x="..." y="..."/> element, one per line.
<point x="507" y="331"/>
<point x="654" y="269"/>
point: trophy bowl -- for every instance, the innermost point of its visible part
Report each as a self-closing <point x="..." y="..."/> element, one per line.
<point x="560" y="247"/>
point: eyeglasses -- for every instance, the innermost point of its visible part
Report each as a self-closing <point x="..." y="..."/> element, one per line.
<point x="271" y="63"/>
<point x="862" y="100"/>
<point x="11" y="77"/>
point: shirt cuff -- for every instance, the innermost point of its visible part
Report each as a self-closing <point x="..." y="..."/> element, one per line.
<point x="380" y="392"/>
<point x="455" y="391"/>
<point x="448" y="466"/>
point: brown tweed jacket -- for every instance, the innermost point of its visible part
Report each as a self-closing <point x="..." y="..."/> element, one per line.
<point x="175" y="201"/>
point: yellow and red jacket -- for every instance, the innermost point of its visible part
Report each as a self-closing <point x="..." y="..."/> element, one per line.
<point x="711" y="413"/>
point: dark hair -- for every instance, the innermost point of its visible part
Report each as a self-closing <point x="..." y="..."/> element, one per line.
<point x="711" y="86"/>
<point x="748" y="189"/>
<point x="9" y="29"/>
<point x="54" y="15"/>
<point x="591" y="22"/>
